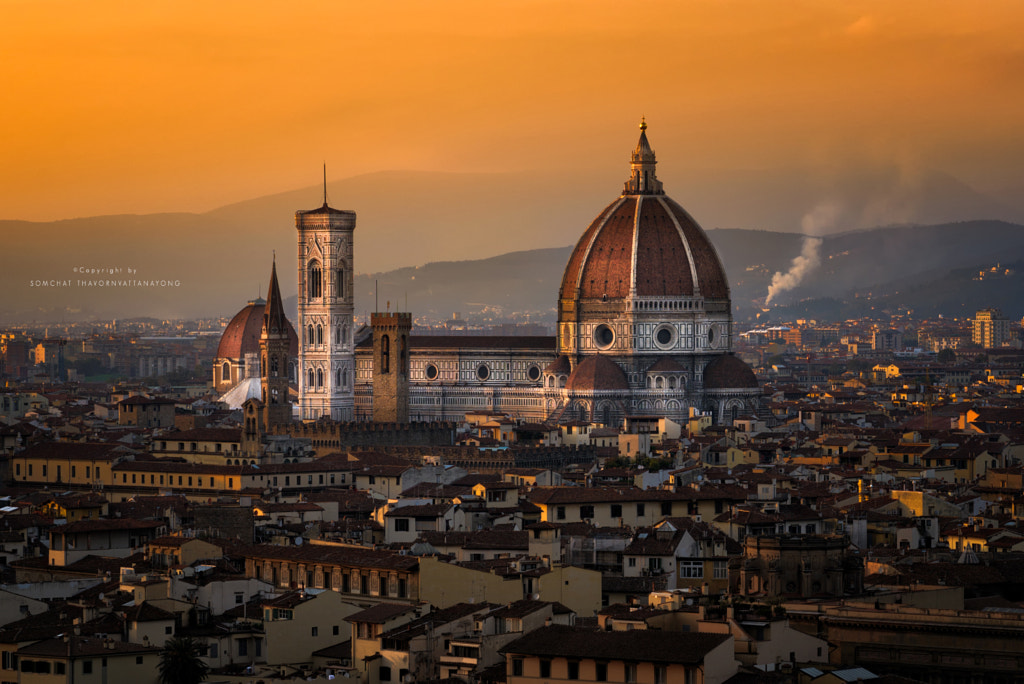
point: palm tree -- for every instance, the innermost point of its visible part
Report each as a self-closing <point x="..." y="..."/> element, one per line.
<point x="181" y="662"/>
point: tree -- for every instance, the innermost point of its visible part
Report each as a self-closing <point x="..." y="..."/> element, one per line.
<point x="946" y="357"/>
<point x="181" y="662"/>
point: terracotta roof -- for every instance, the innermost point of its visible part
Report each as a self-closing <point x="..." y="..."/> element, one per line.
<point x="631" y="646"/>
<point x="380" y="613"/>
<point x="597" y="373"/>
<point x="665" y="365"/>
<point x="75" y="451"/>
<point x="147" y="612"/>
<point x="206" y="434"/>
<point x="729" y="372"/>
<point x="78" y="646"/>
<point x="103" y="525"/>
<point x="332" y="555"/>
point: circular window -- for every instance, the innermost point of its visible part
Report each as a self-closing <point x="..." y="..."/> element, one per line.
<point x="533" y="372"/>
<point x="483" y="372"/>
<point x="431" y="371"/>
<point x="603" y="336"/>
<point x="711" y="335"/>
<point x="665" y="337"/>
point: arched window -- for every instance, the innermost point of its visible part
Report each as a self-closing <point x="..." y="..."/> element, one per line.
<point x="274" y="369"/>
<point x="338" y="339"/>
<point x="339" y="283"/>
<point x="312" y="378"/>
<point x="314" y="280"/>
<point x="225" y="374"/>
<point x="319" y="377"/>
<point x="344" y="377"/>
<point x="337" y="377"/>
<point x="319" y="334"/>
<point x="671" y="383"/>
<point x="309" y="335"/>
<point x="385" y="354"/>
<point x="659" y="382"/>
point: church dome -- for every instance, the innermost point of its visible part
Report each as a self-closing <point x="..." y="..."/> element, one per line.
<point x="242" y="336"/>
<point x="643" y="244"/>
<point x="729" y="372"/>
<point x="597" y="373"/>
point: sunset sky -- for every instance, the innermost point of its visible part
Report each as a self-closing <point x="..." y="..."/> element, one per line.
<point x="139" y="107"/>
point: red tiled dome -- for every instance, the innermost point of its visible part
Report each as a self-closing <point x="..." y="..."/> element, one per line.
<point x="559" y="365"/>
<point x="597" y="373"/>
<point x="644" y="243"/>
<point x="242" y="336"/>
<point x="729" y="372"/>
<point x="671" y="250"/>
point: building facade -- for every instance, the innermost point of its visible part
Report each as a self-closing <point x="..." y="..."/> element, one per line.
<point x="991" y="328"/>
<point x="644" y="327"/>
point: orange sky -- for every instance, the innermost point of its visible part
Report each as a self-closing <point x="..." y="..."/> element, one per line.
<point x="127" y="106"/>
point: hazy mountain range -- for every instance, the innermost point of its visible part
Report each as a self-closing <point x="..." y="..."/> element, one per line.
<point x="502" y="240"/>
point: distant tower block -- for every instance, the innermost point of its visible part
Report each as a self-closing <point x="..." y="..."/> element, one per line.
<point x="391" y="366"/>
<point x="326" y="304"/>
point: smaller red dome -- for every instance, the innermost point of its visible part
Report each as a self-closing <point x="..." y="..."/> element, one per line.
<point x="729" y="372"/>
<point x="597" y="373"/>
<point x="559" y="365"/>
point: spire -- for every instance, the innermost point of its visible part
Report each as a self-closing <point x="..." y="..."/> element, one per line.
<point x="325" y="184"/>
<point x="274" y="321"/>
<point x="642" y="180"/>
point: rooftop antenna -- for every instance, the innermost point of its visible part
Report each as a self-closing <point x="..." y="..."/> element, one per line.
<point x="325" y="184"/>
<point x="376" y="296"/>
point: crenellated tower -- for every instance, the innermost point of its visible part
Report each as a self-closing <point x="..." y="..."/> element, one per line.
<point x="391" y="366"/>
<point x="326" y="305"/>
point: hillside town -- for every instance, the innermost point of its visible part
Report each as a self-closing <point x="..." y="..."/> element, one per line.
<point x="863" y="524"/>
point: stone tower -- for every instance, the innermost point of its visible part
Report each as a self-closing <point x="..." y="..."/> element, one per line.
<point x="391" y="366"/>
<point x="274" y="344"/>
<point x="326" y="303"/>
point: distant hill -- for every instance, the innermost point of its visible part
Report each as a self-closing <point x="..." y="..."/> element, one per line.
<point x="470" y="230"/>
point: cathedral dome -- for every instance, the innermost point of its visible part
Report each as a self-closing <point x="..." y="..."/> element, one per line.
<point x="242" y="336"/>
<point x="643" y="244"/>
<point x="597" y="373"/>
<point x="729" y="372"/>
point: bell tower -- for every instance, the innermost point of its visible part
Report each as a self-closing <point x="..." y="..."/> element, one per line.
<point x="274" y="347"/>
<point x="326" y="304"/>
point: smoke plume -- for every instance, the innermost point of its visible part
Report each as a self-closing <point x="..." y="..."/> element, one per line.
<point x="801" y="266"/>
